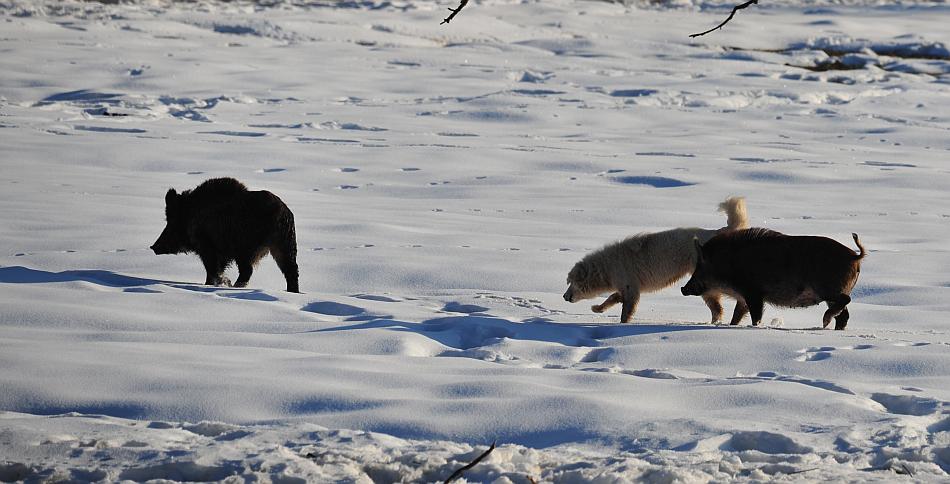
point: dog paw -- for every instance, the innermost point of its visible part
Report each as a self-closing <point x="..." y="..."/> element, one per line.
<point x="597" y="309"/>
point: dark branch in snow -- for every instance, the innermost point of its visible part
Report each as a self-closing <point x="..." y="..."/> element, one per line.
<point x="455" y="11"/>
<point x="724" y="22"/>
<point x="455" y="475"/>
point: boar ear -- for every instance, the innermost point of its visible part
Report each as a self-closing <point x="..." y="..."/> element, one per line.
<point x="699" y="249"/>
<point x="170" y="196"/>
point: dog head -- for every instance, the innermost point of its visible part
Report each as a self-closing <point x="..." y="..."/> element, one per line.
<point x="581" y="283"/>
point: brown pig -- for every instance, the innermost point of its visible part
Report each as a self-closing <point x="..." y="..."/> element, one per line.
<point x="758" y="266"/>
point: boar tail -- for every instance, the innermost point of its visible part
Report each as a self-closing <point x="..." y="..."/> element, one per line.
<point x="861" y="252"/>
<point x="736" y="216"/>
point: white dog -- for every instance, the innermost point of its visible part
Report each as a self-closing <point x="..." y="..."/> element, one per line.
<point x="647" y="263"/>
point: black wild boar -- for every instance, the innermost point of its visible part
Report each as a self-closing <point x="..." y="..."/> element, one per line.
<point x="756" y="266"/>
<point x="222" y="221"/>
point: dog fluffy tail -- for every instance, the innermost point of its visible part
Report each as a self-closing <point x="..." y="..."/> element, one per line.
<point x="736" y="216"/>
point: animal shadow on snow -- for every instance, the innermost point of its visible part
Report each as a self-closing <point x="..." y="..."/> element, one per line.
<point x="25" y="275"/>
<point x="476" y="330"/>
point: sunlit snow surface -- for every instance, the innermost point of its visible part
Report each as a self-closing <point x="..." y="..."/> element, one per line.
<point x="444" y="179"/>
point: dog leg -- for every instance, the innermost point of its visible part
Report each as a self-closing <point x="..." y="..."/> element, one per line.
<point x="712" y="302"/>
<point x="631" y="297"/>
<point x="607" y="304"/>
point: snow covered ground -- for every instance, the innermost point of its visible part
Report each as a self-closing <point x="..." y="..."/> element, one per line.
<point x="444" y="179"/>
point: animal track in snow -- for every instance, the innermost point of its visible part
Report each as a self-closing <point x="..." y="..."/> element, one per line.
<point x="651" y="373"/>
<point x="819" y="353"/>
<point x="908" y="404"/>
<point x="597" y="355"/>
<point x="824" y="385"/>
<point x="242" y="134"/>
<point x="330" y="308"/>
<point x="375" y="297"/>
<point x="653" y="181"/>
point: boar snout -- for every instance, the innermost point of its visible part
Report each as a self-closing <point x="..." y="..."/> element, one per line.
<point x="166" y="243"/>
<point x="692" y="288"/>
<point x="158" y="249"/>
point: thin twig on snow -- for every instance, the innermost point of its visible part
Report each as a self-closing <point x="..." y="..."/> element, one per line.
<point x="455" y="475"/>
<point x="455" y="11"/>
<point x="724" y="22"/>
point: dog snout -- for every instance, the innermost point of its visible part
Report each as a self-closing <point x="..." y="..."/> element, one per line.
<point x="568" y="296"/>
<point x="684" y="291"/>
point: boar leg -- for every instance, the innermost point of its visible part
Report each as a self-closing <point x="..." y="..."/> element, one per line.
<point x="836" y="306"/>
<point x="841" y="320"/>
<point x="214" y="268"/>
<point x="286" y="257"/>
<point x="608" y="303"/>
<point x="245" y="269"/>
<point x="756" y="304"/>
<point x="739" y="313"/>
<point x="715" y="307"/>
<point x="631" y="297"/>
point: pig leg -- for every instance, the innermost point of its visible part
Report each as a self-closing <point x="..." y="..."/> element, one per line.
<point x="631" y="297"/>
<point x="715" y="307"/>
<point x="214" y="268"/>
<point x="739" y="313"/>
<point x="836" y="306"/>
<point x="608" y="303"/>
<point x="756" y="304"/>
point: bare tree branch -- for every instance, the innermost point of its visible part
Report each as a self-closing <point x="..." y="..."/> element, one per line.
<point x="724" y="22"/>
<point x="455" y="475"/>
<point x="455" y="11"/>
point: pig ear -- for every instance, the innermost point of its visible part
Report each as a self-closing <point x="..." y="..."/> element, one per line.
<point x="699" y="249"/>
<point x="170" y="196"/>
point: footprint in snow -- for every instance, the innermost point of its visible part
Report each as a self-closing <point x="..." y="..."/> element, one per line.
<point x="908" y="404"/>
<point x="819" y="353"/>
<point x="375" y="297"/>
<point x="243" y="134"/>
<point x="330" y="308"/>
<point x="597" y="355"/>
